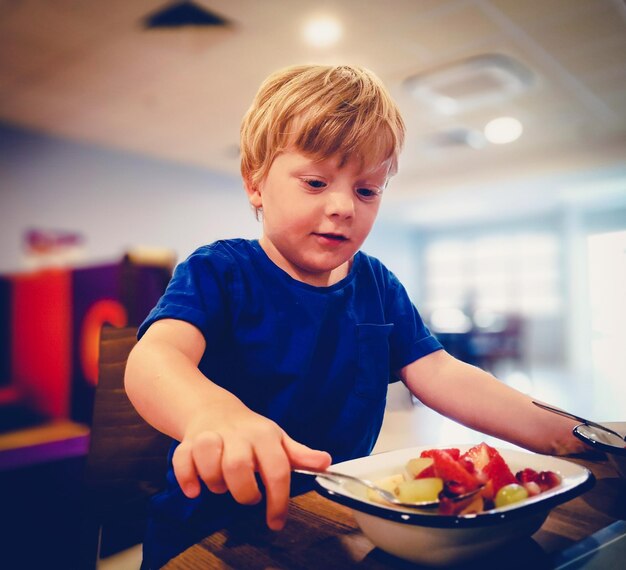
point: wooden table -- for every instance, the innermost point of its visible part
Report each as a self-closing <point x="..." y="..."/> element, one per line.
<point x="321" y="534"/>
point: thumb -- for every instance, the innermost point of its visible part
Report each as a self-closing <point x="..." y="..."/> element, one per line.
<point x="301" y="456"/>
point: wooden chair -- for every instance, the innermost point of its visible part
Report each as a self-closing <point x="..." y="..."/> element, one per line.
<point x="127" y="458"/>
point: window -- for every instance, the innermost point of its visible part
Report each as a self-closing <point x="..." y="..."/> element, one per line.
<point x="607" y="283"/>
<point x="514" y="273"/>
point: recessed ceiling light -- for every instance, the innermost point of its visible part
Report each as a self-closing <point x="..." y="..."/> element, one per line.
<point x="503" y="130"/>
<point x="322" y="31"/>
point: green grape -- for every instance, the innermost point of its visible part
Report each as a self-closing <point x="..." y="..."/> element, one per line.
<point x="510" y="494"/>
<point x="418" y="490"/>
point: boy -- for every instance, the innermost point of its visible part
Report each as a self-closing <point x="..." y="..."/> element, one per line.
<point x="267" y="355"/>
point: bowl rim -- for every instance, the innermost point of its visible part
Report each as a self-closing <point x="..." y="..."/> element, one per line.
<point x="606" y="447"/>
<point x="491" y="517"/>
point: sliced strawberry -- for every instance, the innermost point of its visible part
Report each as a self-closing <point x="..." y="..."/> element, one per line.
<point x="468" y="465"/>
<point x="452" y="451"/>
<point x="449" y="469"/>
<point x="498" y="472"/>
<point x="479" y="455"/>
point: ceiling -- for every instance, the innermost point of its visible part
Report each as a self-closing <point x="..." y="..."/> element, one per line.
<point x="92" y="72"/>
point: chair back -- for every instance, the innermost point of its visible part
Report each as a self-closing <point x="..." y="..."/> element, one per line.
<point x="127" y="458"/>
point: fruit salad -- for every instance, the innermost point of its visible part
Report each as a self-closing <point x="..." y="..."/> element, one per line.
<point x="446" y="474"/>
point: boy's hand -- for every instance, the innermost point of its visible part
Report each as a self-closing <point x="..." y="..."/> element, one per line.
<point x="227" y="457"/>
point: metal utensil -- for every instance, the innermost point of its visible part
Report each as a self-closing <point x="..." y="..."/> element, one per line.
<point x="561" y="412"/>
<point x="336" y="477"/>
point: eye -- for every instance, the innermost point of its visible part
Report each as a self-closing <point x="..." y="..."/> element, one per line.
<point x="314" y="183"/>
<point x="368" y="194"/>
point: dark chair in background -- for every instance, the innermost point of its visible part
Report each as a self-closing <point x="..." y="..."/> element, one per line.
<point x="127" y="458"/>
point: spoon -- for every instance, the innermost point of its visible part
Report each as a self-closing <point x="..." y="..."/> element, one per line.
<point x="336" y="477"/>
<point x="561" y="412"/>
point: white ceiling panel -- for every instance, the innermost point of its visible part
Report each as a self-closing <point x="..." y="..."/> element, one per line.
<point x="92" y="72"/>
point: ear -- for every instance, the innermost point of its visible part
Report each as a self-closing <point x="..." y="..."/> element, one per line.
<point x="254" y="193"/>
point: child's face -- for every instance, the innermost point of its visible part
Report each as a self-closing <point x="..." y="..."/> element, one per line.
<point x="316" y="215"/>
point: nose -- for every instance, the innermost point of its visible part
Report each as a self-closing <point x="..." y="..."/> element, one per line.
<point x="340" y="203"/>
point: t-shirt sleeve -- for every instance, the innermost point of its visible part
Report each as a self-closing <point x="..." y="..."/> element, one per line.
<point x="195" y="294"/>
<point x="410" y="338"/>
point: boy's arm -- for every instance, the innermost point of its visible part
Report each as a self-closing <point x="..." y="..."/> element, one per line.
<point x="223" y="442"/>
<point x="476" y="399"/>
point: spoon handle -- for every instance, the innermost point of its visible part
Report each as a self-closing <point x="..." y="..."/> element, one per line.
<point x="577" y="418"/>
<point x="340" y="477"/>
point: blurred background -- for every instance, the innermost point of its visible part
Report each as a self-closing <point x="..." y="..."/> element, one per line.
<point x="119" y="128"/>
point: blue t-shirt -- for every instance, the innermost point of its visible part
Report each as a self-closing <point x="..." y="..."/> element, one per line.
<point x="316" y="360"/>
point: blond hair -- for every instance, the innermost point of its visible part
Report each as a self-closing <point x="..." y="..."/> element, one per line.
<point x="322" y="111"/>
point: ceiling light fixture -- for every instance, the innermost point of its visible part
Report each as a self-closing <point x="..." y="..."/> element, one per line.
<point x="322" y="31"/>
<point x="503" y="130"/>
<point x="183" y="14"/>
<point x="472" y="83"/>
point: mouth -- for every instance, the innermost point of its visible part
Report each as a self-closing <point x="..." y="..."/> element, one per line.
<point x="332" y="237"/>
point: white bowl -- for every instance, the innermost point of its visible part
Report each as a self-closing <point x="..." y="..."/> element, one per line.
<point x="614" y="447"/>
<point x="426" y="537"/>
